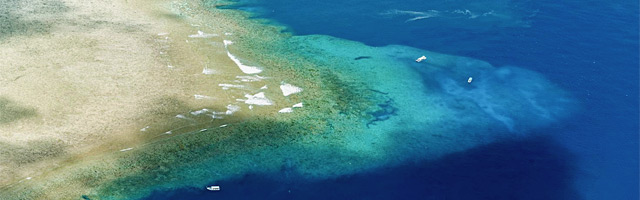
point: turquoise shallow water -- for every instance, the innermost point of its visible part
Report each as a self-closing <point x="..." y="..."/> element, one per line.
<point x="581" y="144"/>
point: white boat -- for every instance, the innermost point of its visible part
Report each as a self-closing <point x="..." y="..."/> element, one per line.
<point x="213" y="188"/>
<point x="421" y="59"/>
<point x="469" y="80"/>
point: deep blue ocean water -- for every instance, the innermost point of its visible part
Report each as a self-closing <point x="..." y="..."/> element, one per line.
<point x="589" y="48"/>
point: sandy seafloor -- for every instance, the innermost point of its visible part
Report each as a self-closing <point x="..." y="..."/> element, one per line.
<point x="113" y="100"/>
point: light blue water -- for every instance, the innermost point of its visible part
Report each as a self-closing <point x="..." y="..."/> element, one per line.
<point x="589" y="48"/>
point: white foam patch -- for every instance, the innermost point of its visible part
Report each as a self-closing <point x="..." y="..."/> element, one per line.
<point x="244" y="68"/>
<point x="145" y="128"/>
<point x="226" y="86"/>
<point x="298" y="105"/>
<point x="264" y="87"/>
<point x="208" y="71"/>
<point x="182" y="117"/>
<point x="228" y="34"/>
<point x="258" y="99"/>
<point x="163" y="34"/>
<point x="127" y="149"/>
<point x="199" y="112"/>
<point x="232" y="109"/>
<point x="201" y="34"/>
<point x="286" y="110"/>
<point x="198" y="96"/>
<point x="216" y="117"/>
<point x="417" y="15"/>
<point x="288" y="89"/>
<point x="253" y="78"/>
<point x="419" y="18"/>
<point x="224" y="125"/>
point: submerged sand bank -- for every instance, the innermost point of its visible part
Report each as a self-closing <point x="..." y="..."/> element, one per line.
<point x="90" y="80"/>
<point x="85" y="80"/>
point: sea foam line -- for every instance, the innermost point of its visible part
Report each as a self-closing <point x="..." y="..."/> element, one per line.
<point x="244" y="68"/>
<point x="203" y="35"/>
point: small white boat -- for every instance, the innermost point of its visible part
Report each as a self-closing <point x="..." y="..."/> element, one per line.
<point x="469" y="80"/>
<point x="421" y="59"/>
<point x="213" y="188"/>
